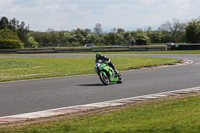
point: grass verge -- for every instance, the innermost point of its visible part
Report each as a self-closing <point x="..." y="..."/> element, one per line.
<point x="167" y="115"/>
<point x="142" y="52"/>
<point x="159" y="52"/>
<point x="133" y="52"/>
<point x="20" y="68"/>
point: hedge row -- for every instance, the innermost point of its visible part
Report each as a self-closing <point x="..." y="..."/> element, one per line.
<point x="11" y="44"/>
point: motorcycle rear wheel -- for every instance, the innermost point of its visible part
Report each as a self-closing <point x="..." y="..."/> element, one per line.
<point x="120" y="80"/>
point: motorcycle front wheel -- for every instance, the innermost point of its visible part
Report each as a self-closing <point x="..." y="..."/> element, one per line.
<point x="104" y="78"/>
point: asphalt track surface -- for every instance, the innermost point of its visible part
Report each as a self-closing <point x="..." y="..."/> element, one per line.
<point x="18" y="97"/>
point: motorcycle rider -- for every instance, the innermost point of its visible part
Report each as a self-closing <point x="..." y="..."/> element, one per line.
<point x="106" y="60"/>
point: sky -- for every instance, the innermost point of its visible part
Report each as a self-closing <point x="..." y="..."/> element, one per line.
<point x="41" y="15"/>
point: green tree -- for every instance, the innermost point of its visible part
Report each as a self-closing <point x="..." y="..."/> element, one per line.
<point x="16" y="27"/>
<point x="9" y="39"/>
<point x="4" y="22"/>
<point x="22" y="31"/>
<point x="31" y="42"/>
<point x="81" y="36"/>
<point x="120" y="30"/>
<point x="193" y="32"/>
<point x="98" y="28"/>
<point x="176" y="29"/>
<point x="129" y="38"/>
<point x="112" y="38"/>
<point x="6" y="34"/>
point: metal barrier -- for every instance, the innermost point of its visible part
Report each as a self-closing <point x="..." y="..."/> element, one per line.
<point x="35" y="50"/>
<point x="111" y="49"/>
<point x="73" y="49"/>
<point x="8" y="51"/>
<point x="82" y="49"/>
<point x="186" y="47"/>
<point x="148" y="48"/>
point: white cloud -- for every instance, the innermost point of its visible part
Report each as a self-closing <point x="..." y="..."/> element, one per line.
<point x="4" y="2"/>
<point x="72" y="6"/>
<point x="110" y="13"/>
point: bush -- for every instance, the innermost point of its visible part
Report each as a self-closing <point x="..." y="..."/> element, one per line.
<point x="31" y="43"/>
<point x="11" y="44"/>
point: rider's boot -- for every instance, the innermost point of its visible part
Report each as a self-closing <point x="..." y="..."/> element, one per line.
<point x="117" y="72"/>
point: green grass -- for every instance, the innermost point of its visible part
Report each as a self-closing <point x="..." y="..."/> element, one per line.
<point x="134" y="52"/>
<point x="19" y="68"/>
<point x="141" y="52"/>
<point x="157" y="52"/>
<point x="179" y="115"/>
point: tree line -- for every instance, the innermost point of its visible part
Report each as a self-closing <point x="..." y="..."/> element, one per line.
<point x="12" y="31"/>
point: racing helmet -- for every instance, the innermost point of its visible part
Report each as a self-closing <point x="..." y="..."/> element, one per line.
<point x="99" y="55"/>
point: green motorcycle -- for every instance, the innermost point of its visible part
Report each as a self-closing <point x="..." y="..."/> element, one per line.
<point x="106" y="73"/>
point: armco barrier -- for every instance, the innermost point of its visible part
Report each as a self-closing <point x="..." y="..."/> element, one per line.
<point x="186" y="47"/>
<point x="8" y="51"/>
<point x="35" y="50"/>
<point x="82" y="49"/>
<point x="73" y="49"/>
<point x="109" y="49"/>
<point x="147" y="48"/>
